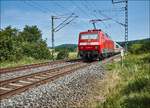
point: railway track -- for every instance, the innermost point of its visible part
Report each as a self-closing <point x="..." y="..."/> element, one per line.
<point x="24" y="67"/>
<point x="19" y="84"/>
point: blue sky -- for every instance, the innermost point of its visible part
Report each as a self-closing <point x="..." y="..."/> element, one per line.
<point x="19" y="13"/>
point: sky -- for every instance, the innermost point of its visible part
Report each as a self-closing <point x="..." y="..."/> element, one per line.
<point x="19" y="13"/>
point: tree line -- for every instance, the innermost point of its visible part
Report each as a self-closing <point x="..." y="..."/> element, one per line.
<point x="16" y="44"/>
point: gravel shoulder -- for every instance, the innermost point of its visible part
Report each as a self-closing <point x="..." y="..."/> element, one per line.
<point x="65" y="92"/>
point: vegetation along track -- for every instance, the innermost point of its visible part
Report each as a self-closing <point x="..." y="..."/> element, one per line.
<point x="19" y="68"/>
<point x="16" y="85"/>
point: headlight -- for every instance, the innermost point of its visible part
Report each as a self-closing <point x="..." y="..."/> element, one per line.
<point x="96" y="47"/>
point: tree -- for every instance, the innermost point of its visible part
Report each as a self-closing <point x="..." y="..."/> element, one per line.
<point x="31" y="34"/>
<point x="37" y="50"/>
<point x="9" y="47"/>
<point x="15" y="44"/>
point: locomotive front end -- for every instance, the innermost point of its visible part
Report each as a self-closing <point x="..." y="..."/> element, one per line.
<point x="88" y="45"/>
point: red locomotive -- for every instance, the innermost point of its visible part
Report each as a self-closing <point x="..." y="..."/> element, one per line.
<point x="95" y="44"/>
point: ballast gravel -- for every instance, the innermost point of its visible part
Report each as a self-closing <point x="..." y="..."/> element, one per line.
<point x="7" y="76"/>
<point x="64" y="92"/>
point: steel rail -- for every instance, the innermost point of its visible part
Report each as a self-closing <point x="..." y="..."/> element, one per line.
<point x="20" y="84"/>
<point x="24" y="67"/>
<point x="17" y="85"/>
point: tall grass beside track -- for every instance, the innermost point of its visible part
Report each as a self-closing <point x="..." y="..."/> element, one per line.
<point x="30" y="60"/>
<point x="131" y="88"/>
<point x="24" y="61"/>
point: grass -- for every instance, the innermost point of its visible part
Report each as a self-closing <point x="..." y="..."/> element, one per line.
<point x="126" y="86"/>
<point x="30" y="60"/>
<point x="73" y="55"/>
<point x="132" y="88"/>
<point x="24" y="61"/>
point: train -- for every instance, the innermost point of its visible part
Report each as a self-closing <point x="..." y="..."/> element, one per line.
<point x="96" y="44"/>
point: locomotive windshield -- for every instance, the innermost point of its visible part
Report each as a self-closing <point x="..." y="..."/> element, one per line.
<point x="89" y="36"/>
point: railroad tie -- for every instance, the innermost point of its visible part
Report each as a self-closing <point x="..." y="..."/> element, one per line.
<point x="15" y="84"/>
<point x="32" y="79"/>
<point x="26" y="82"/>
<point x="40" y="77"/>
<point x="43" y="75"/>
<point x="6" y="89"/>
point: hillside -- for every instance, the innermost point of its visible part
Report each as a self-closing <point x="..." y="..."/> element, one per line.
<point x="141" y="41"/>
<point x="70" y="47"/>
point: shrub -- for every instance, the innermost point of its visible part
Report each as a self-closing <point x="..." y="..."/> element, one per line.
<point x="63" y="54"/>
<point x="137" y="100"/>
<point x="137" y="85"/>
<point x="136" y="48"/>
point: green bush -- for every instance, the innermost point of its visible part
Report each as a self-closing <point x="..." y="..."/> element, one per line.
<point x="146" y="46"/>
<point x="63" y="54"/>
<point x="137" y="85"/>
<point x="136" y="48"/>
<point x="137" y="100"/>
<point x="146" y="59"/>
<point x="139" y="48"/>
<point x="15" y="44"/>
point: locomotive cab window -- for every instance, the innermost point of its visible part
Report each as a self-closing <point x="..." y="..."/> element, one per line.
<point x="89" y="36"/>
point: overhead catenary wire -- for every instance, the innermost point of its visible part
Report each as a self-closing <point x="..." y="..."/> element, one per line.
<point x="88" y="10"/>
<point x="113" y="10"/>
<point x="64" y="21"/>
<point x="34" y="6"/>
<point x="119" y="9"/>
<point x="66" y="24"/>
<point x="85" y="9"/>
<point x="88" y="13"/>
<point x="108" y="10"/>
<point x="91" y="10"/>
<point x="80" y="9"/>
<point x="111" y="18"/>
<point x="45" y="8"/>
<point x="98" y="20"/>
<point x="62" y="7"/>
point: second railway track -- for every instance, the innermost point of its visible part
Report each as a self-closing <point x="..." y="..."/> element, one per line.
<point x="24" y="67"/>
<point x="20" y="84"/>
